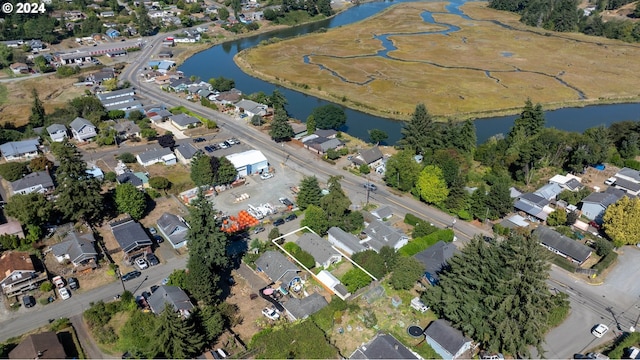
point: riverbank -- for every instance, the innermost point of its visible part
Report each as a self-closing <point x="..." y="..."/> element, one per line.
<point x="482" y="68"/>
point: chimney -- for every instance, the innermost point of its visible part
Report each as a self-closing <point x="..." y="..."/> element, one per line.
<point x="395" y="346"/>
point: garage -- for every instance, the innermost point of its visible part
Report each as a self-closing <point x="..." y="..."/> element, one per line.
<point x="249" y="162"/>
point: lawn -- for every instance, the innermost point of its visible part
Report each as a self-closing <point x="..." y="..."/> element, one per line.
<point x="483" y="68"/>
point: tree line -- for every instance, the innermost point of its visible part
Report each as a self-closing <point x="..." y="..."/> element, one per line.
<point x="310" y="7"/>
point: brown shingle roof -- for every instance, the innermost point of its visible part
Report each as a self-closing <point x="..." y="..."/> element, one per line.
<point x="15" y="260"/>
<point x="39" y="346"/>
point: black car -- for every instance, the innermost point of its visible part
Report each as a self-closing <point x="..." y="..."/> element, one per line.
<point x="152" y="259"/>
<point x="73" y="283"/>
<point x="154" y="288"/>
<point x="278" y="222"/>
<point x="159" y="239"/>
<point x="208" y="148"/>
<point x="131" y="275"/>
<point x="286" y="202"/>
<point x="28" y="301"/>
<point x="214" y="147"/>
<point x="227" y="143"/>
<point x="199" y="139"/>
<point x="146" y="295"/>
<point x="291" y="217"/>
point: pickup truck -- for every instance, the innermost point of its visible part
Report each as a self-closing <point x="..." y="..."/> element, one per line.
<point x="58" y="281"/>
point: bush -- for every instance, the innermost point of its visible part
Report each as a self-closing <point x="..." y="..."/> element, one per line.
<point x="127" y="158"/>
<point x="603" y="246"/>
<point x="560" y="311"/>
<point x="46" y="286"/>
<point x="412" y="219"/>
<point x="324" y="317"/>
<point x="364" y="169"/>
<point x="631" y="163"/>
<point x="59" y="324"/>
<point x="422" y="243"/>
<point x="355" y="279"/>
<point x="13" y="171"/>
<point x="110" y="176"/>
<point x="630" y="339"/>
<point x="423" y="229"/>
<point x="464" y="215"/>
<point x="605" y="262"/>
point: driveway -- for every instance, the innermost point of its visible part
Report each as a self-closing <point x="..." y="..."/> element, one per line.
<point x="619" y="279"/>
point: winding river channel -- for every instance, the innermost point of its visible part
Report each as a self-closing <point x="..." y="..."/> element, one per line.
<point x="218" y="61"/>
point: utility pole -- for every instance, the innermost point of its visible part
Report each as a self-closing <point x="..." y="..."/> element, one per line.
<point x="119" y="274"/>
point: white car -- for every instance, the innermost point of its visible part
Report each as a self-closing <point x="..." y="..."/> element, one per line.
<point x="142" y="263"/>
<point x="271" y="313"/>
<point x="64" y="293"/>
<point x="223" y="145"/>
<point x="265" y="176"/>
<point x="599" y="330"/>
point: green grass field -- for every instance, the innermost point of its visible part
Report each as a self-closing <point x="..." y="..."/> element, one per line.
<point x="481" y="70"/>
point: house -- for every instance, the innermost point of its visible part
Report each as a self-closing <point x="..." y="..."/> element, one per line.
<point x="13" y="43"/>
<point x="435" y="258"/>
<point x="534" y="205"/>
<point x="57" y="132"/>
<point x="567" y="182"/>
<point x="298" y="309"/>
<point x="39" y="181"/>
<point x="12" y="228"/>
<point x="185" y="152"/>
<point x="299" y="129"/>
<point x="251" y="108"/>
<point x="105" y="14"/>
<point x="78" y="248"/>
<point x="18" y="273"/>
<point x="249" y="162"/>
<point x="171" y="296"/>
<point x="165" y="54"/>
<point x="101" y="76"/>
<point x="349" y="243"/>
<point x="19" y="68"/>
<point x="326" y="133"/>
<point x="128" y="105"/>
<point x="131" y="237"/>
<point x="157" y="155"/>
<point x="184" y="121"/>
<point x="95" y="172"/>
<point x="127" y="129"/>
<point x="179" y="85"/>
<point x="383" y="346"/>
<point x="370" y="157"/>
<point x="628" y="180"/>
<point x="82" y="129"/>
<point x="20" y="150"/>
<point x="448" y="342"/>
<point x="174" y="228"/>
<point x="321" y="145"/>
<point x="379" y="234"/>
<point x="112" y="33"/>
<point x="562" y="245"/>
<point x="278" y="269"/>
<point x="382" y="213"/>
<point x="229" y="97"/>
<point x="594" y="205"/>
<point x="549" y="191"/>
<point x="117" y="53"/>
<point x="320" y="249"/>
<point x="332" y="283"/>
<point x="44" y="345"/>
<point x="129" y="177"/>
<point x="74" y="58"/>
<point x="514" y="222"/>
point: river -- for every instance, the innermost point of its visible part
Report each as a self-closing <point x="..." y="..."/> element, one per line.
<point x="218" y="61"/>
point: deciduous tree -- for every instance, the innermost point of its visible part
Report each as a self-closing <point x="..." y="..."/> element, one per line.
<point x="316" y="219"/>
<point x="377" y="136"/>
<point x="329" y="116"/>
<point x="621" y="222"/>
<point x="402" y="170"/>
<point x="159" y="183"/>
<point x="13" y="171"/>
<point x="557" y="217"/>
<point x="406" y="273"/>
<point x="130" y="200"/>
<point x="431" y="185"/>
<point x="40" y="163"/>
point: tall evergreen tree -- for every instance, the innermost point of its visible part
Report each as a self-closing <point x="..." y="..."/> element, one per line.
<point x="177" y="338"/>
<point x="419" y="133"/>
<point x="531" y="119"/>
<point x="37" y="117"/>
<point x="281" y="130"/>
<point x="310" y="192"/>
<point x="201" y="170"/>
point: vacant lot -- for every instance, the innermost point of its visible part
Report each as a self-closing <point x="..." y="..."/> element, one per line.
<point x="483" y="67"/>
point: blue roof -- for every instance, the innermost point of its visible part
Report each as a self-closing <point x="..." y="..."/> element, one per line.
<point x="154" y="63"/>
<point x="14" y="148"/>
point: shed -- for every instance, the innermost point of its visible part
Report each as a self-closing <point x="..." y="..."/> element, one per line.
<point x="448" y="342"/>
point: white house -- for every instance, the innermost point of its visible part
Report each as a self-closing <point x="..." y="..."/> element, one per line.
<point x="320" y="249"/>
<point x="345" y="241"/>
<point x="380" y="234"/>
<point x="82" y="129"/>
<point x="57" y="132"/>
<point x="20" y="150"/>
<point x="185" y="152"/>
<point x="158" y="155"/>
<point x="448" y="342"/>
<point x="184" y="121"/>
<point x="39" y="181"/>
<point x="251" y="108"/>
<point x="249" y="162"/>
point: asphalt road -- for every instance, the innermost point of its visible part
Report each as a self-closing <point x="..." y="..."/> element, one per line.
<point x="79" y="302"/>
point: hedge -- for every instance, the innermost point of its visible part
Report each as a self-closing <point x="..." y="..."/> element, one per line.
<point x="412" y="219"/>
<point x="605" y="262"/>
<point x="422" y="243"/>
<point x="631" y="339"/>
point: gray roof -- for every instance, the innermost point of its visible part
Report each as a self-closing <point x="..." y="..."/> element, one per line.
<point x="129" y="177"/>
<point x="450" y="339"/>
<point x="184" y="119"/>
<point x="186" y="150"/>
<point x="383" y="346"/>
<point x="628" y="185"/>
<point x="530" y="209"/>
<point x="131" y="104"/>
<point x="347" y="239"/>
<point x="549" y="191"/>
<point x="634" y="174"/>
<point x="115" y="94"/>
<point x="326" y="133"/>
<point x="606" y="198"/>
<point x="36" y="178"/>
<point x="573" y="184"/>
<point x="277" y="267"/>
<point x="368" y="156"/>
<point x="172" y="295"/>
<point x="16" y="148"/>
<point x="173" y="228"/>
<point x="302" y="308"/>
<point x="156" y="153"/>
<point x="130" y="235"/>
<point x="382" y="234"/>
<point x="78" y="123"/>
<point x="54" y="128"/>
<point x="563" y="244"/>
<point x="127" y="127"/>
<point x="318" y="247"/>
<point x="535" y="199"/>
<point x="79" y="247"/>
<point x="323" y="144"/>
<point x="383" y="212"/>
<point x="436" y="256"/>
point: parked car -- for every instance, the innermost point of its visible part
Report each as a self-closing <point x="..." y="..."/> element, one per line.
<point x="223" y="145"/>
<point x="73" y="283"/>
<point x="208" y="148"/>
<point x="227" y="143"/>
<point x="265" y="176"/>
<point x="159" y="239"/>
<point x="222" y="353"/>
<point x="152" y="230"/>
<point x="271" y="313"/>
<point x="370" y="187"/>
<point x="291" y="217"/>
<point x="58" y="281"/>
<point x="28" y="301"/>
<point x="286" y="202"/>
<point x="214" y="147"/>
<point x="153" y="288"/>
<point x="235" y="141"/>
<point x="152" y="259"/>
<point x="231" y="141"/>
<point x="141" y="263"/>
<point x="146" y="295"/>
<point x="165" y="281"/>
<point x="278" y="222"/>
<point x="131" y="275"/>
<point x="199" y="139"/>
<point x="599" y="330"/>
<point x="64" y="293"/>
<point x="258" y="229"/>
